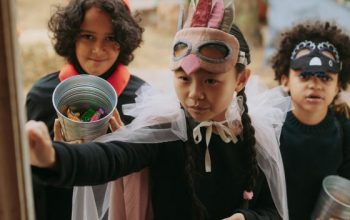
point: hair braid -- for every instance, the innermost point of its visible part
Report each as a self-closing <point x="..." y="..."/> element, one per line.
<point x="249" y="146"/>
<point x="198" y="210"/>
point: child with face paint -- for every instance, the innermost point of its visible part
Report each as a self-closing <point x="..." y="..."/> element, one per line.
<point x="96" y="37"/>
<point x="206" y="159"/>
<point x="313" y="65"/>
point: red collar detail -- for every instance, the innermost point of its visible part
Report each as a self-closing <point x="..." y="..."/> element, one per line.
<point x="119" y="79"/>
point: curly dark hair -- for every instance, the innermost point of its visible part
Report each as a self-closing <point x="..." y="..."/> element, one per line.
<point x="66" y="21"/>
<point x="316" y="31"/>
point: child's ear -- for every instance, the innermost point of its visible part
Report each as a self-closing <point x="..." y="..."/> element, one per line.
<point x="242" y="79"/>
<point x="285" y="83"/>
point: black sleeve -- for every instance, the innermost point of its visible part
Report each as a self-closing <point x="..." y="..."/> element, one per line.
<point x="262" y="206"/>
<point x="96" y="163"/>
<point x="39" y="105"/>
<point x="345" y="168"/>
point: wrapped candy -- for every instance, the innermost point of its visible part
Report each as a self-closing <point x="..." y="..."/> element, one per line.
<point x="97" y="114"/>
<point x="73" y="115"/>
<point x="86" y="117"/>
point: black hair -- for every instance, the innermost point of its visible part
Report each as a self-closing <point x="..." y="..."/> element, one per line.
<point x="192" y="166"/>
<point x="66" y="21"/>
<point x="248" y="130"/>
<point x="192" y="161"/>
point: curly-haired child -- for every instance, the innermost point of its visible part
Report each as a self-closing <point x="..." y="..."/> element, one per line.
<point x="96" y="37"/>
<point x="313" y="65"/>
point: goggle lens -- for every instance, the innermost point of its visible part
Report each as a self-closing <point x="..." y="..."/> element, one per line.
<point x="180" y="50"/>
<point x="213" y="51"/>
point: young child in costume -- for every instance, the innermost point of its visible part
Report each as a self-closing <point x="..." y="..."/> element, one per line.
<point x="207" y="159"/>
<point x="96" y="37"/>
<point x="313" y="65"/>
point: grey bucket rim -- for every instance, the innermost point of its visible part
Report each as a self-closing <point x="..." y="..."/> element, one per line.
<point x="84" y="76"/>
<point x="332" y="177"/>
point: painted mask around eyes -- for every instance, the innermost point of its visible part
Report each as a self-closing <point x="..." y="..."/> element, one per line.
<point x="316" y="62"/>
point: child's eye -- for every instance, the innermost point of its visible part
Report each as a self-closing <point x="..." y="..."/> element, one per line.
<point x="111" y="39"/>
<point x="87" y="36"/>
<point x="304" y="76"/>
<point x="183" y="78"/>
<point x="211" y="81"/>
<point x="325" y="78"/>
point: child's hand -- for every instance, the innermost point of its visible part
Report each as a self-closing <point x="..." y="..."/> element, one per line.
<point x="58" y="135"/>
<point x="115" y="122"/>
<point x="237" y="216"/>
<point x="41" y="151"/>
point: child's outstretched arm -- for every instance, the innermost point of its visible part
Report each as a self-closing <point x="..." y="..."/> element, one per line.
<point x="66" y="164"/>
<point x="41" y="151"/>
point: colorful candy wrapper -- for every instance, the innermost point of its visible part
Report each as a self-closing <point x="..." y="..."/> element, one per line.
<point x="97" y="114"/>
<point x="86" y="117"/>
<point x="72" y="115"/>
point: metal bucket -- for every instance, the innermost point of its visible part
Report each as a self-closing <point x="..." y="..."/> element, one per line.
<point x="84" y="91"/>
<point x="334" y="199"/>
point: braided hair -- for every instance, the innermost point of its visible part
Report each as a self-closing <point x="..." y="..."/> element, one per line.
<point x="249" y="149"/>
<point x="193" y="163"/>
<point x="248" y="130"/>
<point x="191" y="167"/>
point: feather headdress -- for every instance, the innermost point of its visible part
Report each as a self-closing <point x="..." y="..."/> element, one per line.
<point x="217" y="14"/>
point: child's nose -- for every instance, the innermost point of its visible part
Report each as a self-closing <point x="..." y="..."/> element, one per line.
<point x="196" y="92"/>
<point x="98" y="47"/>
<point x="315" y="83"/>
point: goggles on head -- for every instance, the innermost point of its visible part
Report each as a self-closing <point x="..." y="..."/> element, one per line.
<point x="210" y="51"/>
<point x="316" y="60"/>
<point x="206" y="48"/>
